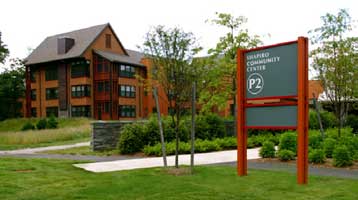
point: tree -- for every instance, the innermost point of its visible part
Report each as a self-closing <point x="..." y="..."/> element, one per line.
<point x="12" y="88"/>
<point x="335" y="59"/>
<point x="171" y="52"/>
<point x="4" y="52"/>
<point x="221" y="74"/>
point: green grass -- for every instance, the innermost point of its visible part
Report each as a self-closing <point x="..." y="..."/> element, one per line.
<point x="82" y="151"/>
<point x="11" y="125"/>
<point x="58" y="179"/>
<point x="38" y="138"/>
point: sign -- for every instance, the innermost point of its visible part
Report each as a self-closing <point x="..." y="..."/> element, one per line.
<point x="271" y="72"/>
<point x="272" y="93"/>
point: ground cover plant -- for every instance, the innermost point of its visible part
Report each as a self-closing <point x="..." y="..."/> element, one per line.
<point x="69" y="131"/>
<point x="58" y="179"/>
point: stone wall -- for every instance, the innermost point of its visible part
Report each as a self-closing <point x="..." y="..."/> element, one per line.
<point x="105" y="134"/>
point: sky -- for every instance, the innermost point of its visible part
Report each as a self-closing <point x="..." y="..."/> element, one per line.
<point x="25" y="24"/>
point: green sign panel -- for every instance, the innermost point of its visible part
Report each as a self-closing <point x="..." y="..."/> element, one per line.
<point x="271" y="72"/>
<point x="271" y="116"/>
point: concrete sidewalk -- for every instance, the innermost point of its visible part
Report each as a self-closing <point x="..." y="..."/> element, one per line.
<point x="200" y="159"/>
<point x="39" y="149"/>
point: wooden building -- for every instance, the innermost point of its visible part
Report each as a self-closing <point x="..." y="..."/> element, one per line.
<point x="88" y="73"/>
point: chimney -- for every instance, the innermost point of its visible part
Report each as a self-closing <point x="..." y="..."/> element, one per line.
<point x="64" y="44"/>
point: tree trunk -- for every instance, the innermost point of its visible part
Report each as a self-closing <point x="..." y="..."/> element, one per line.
<point x="160" y="127"/>
<point x="193" y="112"/>
<point x="177" y="137"/>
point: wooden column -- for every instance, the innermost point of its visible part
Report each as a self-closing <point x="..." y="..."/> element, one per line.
<point x="302" y="123"/>
<point x="28" y="92"/>
<point x="241" y="130"/>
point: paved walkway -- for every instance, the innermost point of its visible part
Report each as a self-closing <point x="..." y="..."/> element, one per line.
<point x="39" y="149"/>
<point x="200" y="159"/>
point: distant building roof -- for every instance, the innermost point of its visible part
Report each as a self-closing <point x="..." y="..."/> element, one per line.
<point x="134" y="57"/>
<point x="47" y="50"/>
<point x="314" y="88"/>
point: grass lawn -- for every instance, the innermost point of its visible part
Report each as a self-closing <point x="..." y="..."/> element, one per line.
<point x="58" y="179"/>
<point x="70" y="131"/>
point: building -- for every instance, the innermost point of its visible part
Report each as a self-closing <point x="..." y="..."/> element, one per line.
<point x="87" y="73"/>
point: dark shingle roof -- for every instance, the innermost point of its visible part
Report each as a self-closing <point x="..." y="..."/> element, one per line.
<point x="47" y="50"/>
<point x="134" y="57"/>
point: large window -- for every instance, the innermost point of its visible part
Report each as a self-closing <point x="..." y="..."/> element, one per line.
<point x="32" y="75"/>
<point x="126" y="71"/>
<point x="102" y="65"/>
<point x="51" y="111"/>
<point x="51" y="73"/>
<point x="51" y="93"/>
<point x="103" y="86"/>
<point x="81" y="111"/>
<point x="81" y="91"/>
<point x="127" y="91"/>
<point x="33" y="94"/>
<point x="127" y="111"/>
<point x="80" y="69"/>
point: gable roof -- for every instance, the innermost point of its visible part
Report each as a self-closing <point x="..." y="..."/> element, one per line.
<point x="314" y="87"/>
<point x="133" y="58"/>
<point x="47" y="50"/>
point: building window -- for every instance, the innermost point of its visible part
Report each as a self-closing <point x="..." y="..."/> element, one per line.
<point x="80" y="69"/>
<point x="126" y="71"/>
<point x="103" y="86"/>
<point x="127" y="91"/>
<point x="102" y="65"/>
<point x="52" y="111"/>
<point x="81" y="91"/>
<point x="51" y="73"/>
<point x="108" y="41"/>
<point x="33" y="112"/>
<point x="106" y="107"/>
<point x="33" y="94"/>
<point x="127" y="111"/>
<point x="51" y="93"/>
<point x="81" y="111"/>
<point x="32" y="76"/>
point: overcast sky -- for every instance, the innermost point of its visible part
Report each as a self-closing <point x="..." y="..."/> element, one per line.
<point x="26" y="23"/>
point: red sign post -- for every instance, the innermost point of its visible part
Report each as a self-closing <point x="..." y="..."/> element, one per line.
<point x="266" y="92"/>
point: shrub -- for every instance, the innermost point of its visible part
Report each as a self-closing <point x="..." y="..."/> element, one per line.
<point x="315" y="140"/>
<point x="41" y="124"/>
<point x="342" y="156"/>
<point x="333" y="132"/>
<point x="288" y="142"/>
<point x="52" y="122"/>
<point x="267" y="150"/>
<point x="227" y="142"/>
<point x="352" y="121"/>
<point x="206" y="146"/>
<point x="328" y="119"/>
<point x="27" y="126"/>
<point x="285" y="155"/>
<point x="151" y="134"/>
<point x="209" y="126"/>
<point x="131" y="139"/>
<point x="328" y="146"/>
<point x="250" y="143"/>
<point x="316" y="156"/>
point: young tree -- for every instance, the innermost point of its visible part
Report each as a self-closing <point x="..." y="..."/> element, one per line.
<point x="221" y="76"/>
<point x="12" y="88"/>
<point x="335" y="59"/>
<point x="171" y="52"/>
<point x="4" y="52"/>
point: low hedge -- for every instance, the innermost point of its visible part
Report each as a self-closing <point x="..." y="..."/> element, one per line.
<point x="316" y="156"/>
<point x="201" y="146"/>
<point x="285" y="155"/>
<point x="342" y="156"/>
<point x="267" y="150"/>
